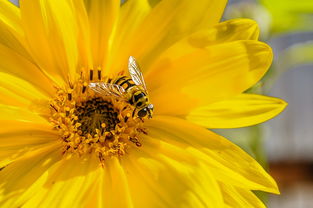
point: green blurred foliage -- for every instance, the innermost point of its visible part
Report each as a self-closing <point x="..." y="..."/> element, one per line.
<point x="290" y="15"/>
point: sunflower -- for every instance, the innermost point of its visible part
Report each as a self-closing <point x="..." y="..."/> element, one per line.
<point x="63" y="144"/>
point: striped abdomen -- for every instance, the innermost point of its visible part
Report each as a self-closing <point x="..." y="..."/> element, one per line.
<point x="136" y="94"/>
<point x="123" y="81"/>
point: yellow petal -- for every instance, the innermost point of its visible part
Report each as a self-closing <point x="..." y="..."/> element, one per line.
<point x="19" y="137"/>
<point x="36" y="35"/>
<point x="17" y="92"/>
<point x="241" y="198"/>
<point x="168" y="22"/>
<point x="12" y="34"/>
<point x="78" y="182"/>
<point x="240" y="111"/>
<point x="144" y="174"/>
<point x="103" y="16"/>
<point x="15" y="64"/>
<point x="47" y="22"/>
<point x="227" y="162"/>
<point x="14" y="113"/>
<point x="68" y="180"/>
<point x="84" y="42"/>
<point x="101" y="195"/>
<point x="18" y="176"/>
<point x="62" y="22"/>
<point x="120" y="188"/>
<point x="228" y="31"/>
<point x="132" y="13"/>
<point x="166" y="176"/>
<point x="206" y="75"/>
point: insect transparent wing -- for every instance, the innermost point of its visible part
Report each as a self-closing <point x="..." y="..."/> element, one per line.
<point x="135" y="72"/>
<point x="107" y="89"/>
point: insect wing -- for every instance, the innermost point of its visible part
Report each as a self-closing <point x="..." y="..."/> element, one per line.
<point x="107" y="89"/>
<point x="135" y="72"/>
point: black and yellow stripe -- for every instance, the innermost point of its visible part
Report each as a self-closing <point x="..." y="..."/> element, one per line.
<point x="135" y="94"/>
<point x="124" y="82"/>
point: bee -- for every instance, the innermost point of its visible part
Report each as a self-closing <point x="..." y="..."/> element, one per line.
<point x="132" y="89"/>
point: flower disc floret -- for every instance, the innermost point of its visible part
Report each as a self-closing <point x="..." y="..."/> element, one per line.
<point x="89" y="122"/>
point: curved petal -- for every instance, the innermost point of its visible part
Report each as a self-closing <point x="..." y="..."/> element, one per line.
<point x="12" y="34"/>
<point x="100" y="195"/>
<point x="228" y="31"/>
<point x="84" y="41"/>
<point x="132" y="13"/>
<point x="227" y="162"/>
<point x="77" y="182"/>
<point x="119" y="185"/>
<point x="162" y="175"/>
<point x="19" y="175"/>
<point x="15" y="64"/>
<point x="168" y="22"/>
<point x="14" y="113"/>
<point x="241" y="198"/>
<point x="61" y="21"/>
<point x="17" y="92"/>
<point x="20" y="137"/>
<point x="206" y="75"/>
<point x="103" y="16"/>
<point x="240" y="111"/>
<point x="111" y="187"/>
<point x="47" y="22"/>
<point x="69" y="180"/>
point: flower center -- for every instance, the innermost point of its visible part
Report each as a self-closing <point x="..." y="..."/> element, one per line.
<point x="96" y="113"/>
<point x="91" y="123"/>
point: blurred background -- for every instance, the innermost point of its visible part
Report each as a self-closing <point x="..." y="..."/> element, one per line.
<point x="283" y="145"/>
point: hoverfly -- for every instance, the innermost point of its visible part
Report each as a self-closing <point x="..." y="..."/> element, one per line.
<point x="132" y="89"/>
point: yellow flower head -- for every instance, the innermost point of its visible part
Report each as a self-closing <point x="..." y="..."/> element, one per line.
<point x="105" y="104"/>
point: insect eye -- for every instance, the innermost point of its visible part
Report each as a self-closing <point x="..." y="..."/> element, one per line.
<point x="142" y="113"/>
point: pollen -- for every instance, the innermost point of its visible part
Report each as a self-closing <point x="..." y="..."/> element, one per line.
<point x="92" y="123"/>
